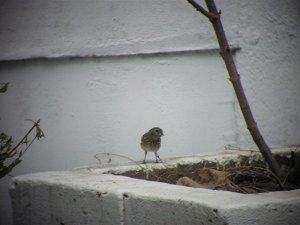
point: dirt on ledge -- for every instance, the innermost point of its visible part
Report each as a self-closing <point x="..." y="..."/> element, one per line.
<point x="245" y="175"/>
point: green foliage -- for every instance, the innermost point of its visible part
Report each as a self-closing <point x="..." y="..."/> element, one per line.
<point x="10" y="155"/>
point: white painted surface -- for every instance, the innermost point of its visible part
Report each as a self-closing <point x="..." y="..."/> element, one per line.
<point x="90" y="104"/>
<point x="105" y="105"/>
<point x="87" y="196"/>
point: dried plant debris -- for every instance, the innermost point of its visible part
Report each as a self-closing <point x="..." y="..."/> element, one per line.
<point x="247" y="175"/>
<point x="210" y="179"/>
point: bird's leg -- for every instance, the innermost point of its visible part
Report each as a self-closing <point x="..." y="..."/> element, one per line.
<point x="157" y="157"/>
<point x="145" y="157"/>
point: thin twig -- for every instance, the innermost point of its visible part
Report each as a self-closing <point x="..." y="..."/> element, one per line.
<point x="27" y="147"/>
<point x="200" y="8"/>
<point x="253" y="171"/>
<point x="238" y="187"/>
<point x="121" y="156"/>
<point x="24" y="138"/>
<point x="234" y="77"/>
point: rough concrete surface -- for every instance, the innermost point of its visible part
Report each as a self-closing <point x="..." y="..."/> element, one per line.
<point x="89" y="196"/>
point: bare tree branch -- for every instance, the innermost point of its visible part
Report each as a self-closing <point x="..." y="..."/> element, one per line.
<point x="200" y="8"/>
<point x="214" y="17"/>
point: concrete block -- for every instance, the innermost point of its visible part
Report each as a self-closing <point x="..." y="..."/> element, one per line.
<point x="63" y="198"/>
<point x="89" y="196"/>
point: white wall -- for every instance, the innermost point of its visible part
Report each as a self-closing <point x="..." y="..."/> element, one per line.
<point x="112" y="92"/>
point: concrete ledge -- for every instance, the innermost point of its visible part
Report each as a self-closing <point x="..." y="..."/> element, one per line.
<point x="89" y="196"/>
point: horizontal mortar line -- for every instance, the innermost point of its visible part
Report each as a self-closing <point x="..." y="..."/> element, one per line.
<point x="134" y="54"/>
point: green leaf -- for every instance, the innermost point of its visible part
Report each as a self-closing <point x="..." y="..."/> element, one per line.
<point x="39" y="132"/>
<point x="26" y="141"/>
<point x="4" y="88"/>
<point x="5" y="145"/>
<point x="7" y="169"/>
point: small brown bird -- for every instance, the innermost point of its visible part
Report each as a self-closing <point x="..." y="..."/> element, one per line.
<point x="151" y="142"/>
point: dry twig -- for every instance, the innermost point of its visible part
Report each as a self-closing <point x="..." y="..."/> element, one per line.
<point x="214" y="16"/>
